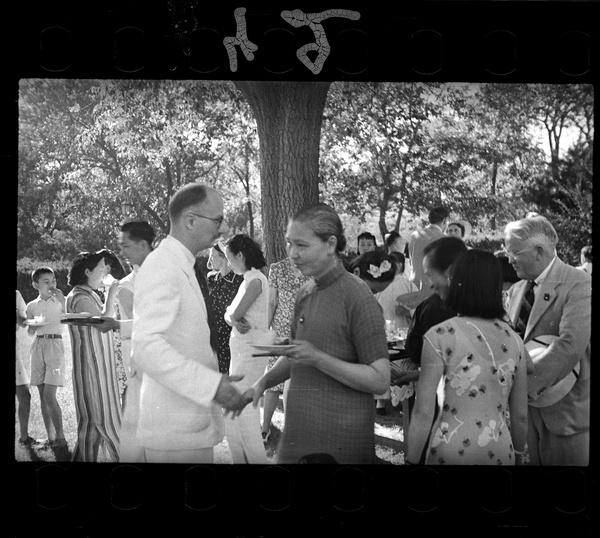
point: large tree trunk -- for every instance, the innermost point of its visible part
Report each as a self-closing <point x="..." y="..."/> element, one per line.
<point x="289" y="117"/>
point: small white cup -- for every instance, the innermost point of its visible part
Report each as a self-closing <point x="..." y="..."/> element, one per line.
<point x="108" y="280"/>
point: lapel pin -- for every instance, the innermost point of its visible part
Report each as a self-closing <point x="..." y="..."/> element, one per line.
<point x="546" y="297"/>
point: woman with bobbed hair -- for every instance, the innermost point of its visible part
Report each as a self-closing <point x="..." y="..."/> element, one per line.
<point x="477" y="364"/>
<point x="95" y="384"/>
<point x="339" y="357"/>
<point x="223" y="285"/>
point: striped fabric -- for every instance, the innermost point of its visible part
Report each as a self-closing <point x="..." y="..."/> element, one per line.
<point x="526" y="307"/>
<point x="95" y="382"/>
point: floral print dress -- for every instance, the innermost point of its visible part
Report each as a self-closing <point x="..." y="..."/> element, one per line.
<point x="222" y="290"/>
<point x="480" y="360"/>
<point x="286" y="283"/>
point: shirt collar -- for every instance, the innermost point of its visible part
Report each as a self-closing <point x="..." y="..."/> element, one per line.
<point x="179" y="245"/>
<point x="42" y="300"/>
<point x="542" y="276"/>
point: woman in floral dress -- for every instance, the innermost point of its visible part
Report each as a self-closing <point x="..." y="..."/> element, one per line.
<point x="223" y="284"/>
<point x="284" y="282"/>
<point x="482" y="363"/>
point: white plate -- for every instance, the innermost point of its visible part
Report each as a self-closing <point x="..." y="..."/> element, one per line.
<point x="34" y="323"/>
<point x="82" y="315"/>
<point x="273" y="348"/>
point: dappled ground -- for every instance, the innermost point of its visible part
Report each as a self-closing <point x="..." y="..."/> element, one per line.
<point x="388" y="429"/>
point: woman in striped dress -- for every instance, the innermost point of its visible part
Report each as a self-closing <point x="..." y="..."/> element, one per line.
<point x="95" y="384"/>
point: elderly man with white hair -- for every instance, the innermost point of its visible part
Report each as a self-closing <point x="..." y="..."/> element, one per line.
<point x="552" y="304"/>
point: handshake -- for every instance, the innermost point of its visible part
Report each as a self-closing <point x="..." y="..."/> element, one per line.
<point x="232" y="400"/>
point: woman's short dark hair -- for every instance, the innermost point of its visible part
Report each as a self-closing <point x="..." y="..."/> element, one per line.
<point x="368" y="236"/>
<point x="324" y="222"/>
<point x="251" y="250"/>
<point x="458" y="225"/>
<point x="83" y="261"/>
<point x="375" y="258"/>
<point x="391" y="237"/>
<point x="116" y="267"/>
<point x="399" y="258"/>
<point x="508" y="271"/>
<point x="443" y="252"/>
<point x="476" y="285"/>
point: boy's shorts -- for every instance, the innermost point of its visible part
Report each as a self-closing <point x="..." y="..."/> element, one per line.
<point x="47" y="362"/>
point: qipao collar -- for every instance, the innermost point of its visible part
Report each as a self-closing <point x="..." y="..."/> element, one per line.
<point x="330" y="277"/>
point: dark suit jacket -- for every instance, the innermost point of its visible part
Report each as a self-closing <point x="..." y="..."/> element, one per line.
<point x="562" y="308"/>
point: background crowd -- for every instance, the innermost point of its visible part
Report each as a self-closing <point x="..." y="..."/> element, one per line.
<point x="494" y="368"/>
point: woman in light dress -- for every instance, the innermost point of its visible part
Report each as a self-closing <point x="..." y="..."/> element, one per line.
<point x="248" y="315"/>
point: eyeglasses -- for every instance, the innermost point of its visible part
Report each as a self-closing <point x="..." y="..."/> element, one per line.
<point x="514" y="255"/>
<point x="218" y="220"/>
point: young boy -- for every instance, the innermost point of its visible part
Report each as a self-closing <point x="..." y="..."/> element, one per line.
<point x="22" y="368"/>
<point x="47" y="351"/>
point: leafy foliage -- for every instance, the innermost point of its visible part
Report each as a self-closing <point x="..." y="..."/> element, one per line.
<point x="389" y="151"/>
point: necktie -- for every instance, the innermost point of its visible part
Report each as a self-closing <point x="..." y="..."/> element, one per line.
<point x="212" y="322"/>
<point x="526" y="307"/>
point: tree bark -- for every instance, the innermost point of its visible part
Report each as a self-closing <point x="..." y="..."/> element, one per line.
<point x="288" y="117"/>
<point x="493" y="192"/>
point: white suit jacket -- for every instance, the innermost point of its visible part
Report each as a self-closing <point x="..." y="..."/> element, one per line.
<point x="418" y="240"/>
<point x="562" y="307"/>
<point x="171" y="346"/>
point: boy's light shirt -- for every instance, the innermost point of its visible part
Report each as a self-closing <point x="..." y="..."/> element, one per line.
<point x="52" y="309"/>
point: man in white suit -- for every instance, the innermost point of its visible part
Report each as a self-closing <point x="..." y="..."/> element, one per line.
<point x="182" y="392"/>
<point x="558" y="434"/>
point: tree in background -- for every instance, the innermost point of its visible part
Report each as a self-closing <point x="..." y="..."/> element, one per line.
<point x="289" y="117"/>
<point x="87" y="146"/>
<point x="58" y="200"/>
<point x="376" y="146"/>
<point x="563" y="190"/>
<point x="384" y="151"/>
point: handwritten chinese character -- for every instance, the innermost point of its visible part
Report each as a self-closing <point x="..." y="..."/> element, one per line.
<point x="240" y="39"/>
<point x="298" y="18"/>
